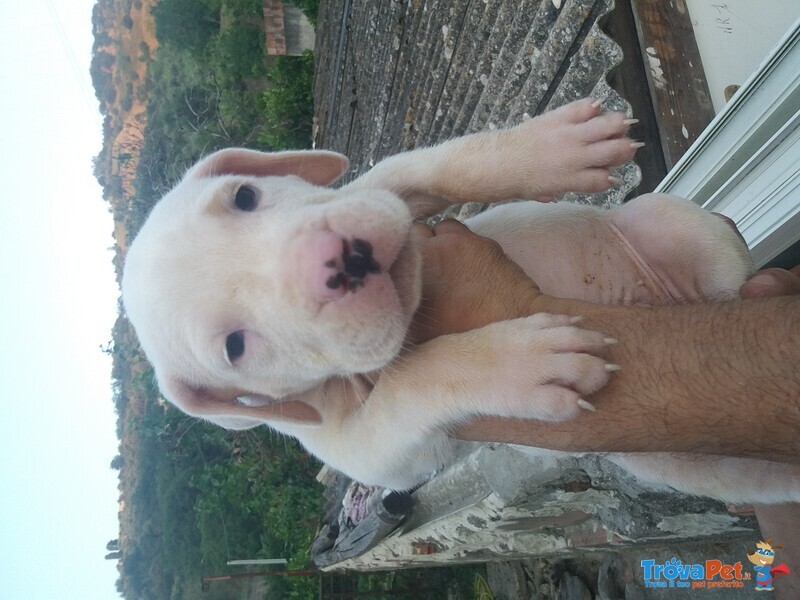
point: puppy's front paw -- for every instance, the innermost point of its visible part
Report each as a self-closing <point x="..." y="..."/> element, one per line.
<point x="575" y="147"/>
<point x="551" y="366"/>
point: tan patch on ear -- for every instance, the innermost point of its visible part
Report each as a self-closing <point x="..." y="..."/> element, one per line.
<point x="292" y="411"/>
<point x="220" y="404"/>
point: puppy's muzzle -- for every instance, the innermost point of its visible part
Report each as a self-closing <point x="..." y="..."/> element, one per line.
<point x="356" y="263"/>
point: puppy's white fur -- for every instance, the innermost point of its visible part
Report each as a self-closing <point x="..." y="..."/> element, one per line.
<point x="326" y="363"/>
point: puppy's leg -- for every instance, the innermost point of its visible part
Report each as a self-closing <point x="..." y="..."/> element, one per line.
<point x="655" y="249"/>
<point x="538" y="367"/>
<point x="722" y="477"/>
<point x="568" y="149"/>
<point x="693" y="255"/>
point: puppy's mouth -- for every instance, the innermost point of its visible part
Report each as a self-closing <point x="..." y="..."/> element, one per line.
<point x="353" y="267"/>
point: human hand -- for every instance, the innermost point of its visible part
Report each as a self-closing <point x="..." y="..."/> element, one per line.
<point x="468" y="282"/>
<point x="772" y="282"/>
<point x="767" y="282"/>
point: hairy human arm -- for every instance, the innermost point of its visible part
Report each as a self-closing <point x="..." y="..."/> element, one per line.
<point x="707" y="378"/>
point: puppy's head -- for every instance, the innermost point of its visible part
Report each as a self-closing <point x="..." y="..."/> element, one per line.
<point x="250" y="285"/>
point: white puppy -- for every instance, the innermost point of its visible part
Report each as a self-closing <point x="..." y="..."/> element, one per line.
<point x="260" y="296"/>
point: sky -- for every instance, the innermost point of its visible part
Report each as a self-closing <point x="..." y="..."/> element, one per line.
<point x="58" y="494"/>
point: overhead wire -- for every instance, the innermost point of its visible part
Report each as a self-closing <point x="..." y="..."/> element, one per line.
<point x="80" y="73"/>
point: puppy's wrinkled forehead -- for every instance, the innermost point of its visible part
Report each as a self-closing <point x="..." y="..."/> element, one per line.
<point x="188" y="252"/>
<point x="172" y="241"/>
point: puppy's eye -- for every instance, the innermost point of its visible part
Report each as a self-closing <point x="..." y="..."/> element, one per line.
<point x="246" y="198"/>
<point x="234" y="345"/>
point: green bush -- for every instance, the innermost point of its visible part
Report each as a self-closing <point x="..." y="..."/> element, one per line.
<point x="289" y="103"/>
<point x="310" y="9"/>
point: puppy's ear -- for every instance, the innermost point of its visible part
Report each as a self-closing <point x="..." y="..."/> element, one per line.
<point x="221" y="406"/>
<point x="319" y="167"/>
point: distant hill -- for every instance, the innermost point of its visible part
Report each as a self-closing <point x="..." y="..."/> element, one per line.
<point x="124" y="47"/>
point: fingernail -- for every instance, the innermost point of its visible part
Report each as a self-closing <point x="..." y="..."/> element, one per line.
<point x="597" y="103"/>
<point x="576" y="319"/>
<point x="637" y="145"/>
<point x="614" y="180"/>
<point x="610" y="341"/>
<point x="586" y="405"/>
<point x="630" y="122"/>
<point x="612" y="367"/>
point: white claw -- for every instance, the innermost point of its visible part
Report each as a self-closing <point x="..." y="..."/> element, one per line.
<point x="612" y="367"/>
<point x="586" y="405"/>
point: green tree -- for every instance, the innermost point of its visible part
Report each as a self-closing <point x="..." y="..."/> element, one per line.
<point x="186" y="24"/>
<point x="289" y="103"/>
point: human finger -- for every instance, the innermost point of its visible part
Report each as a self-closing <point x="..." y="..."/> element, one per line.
<point x="772" y="282"/>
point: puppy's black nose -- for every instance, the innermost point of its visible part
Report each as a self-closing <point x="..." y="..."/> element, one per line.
<point x="359" y="262"/>
<point x="361" y="247"/>
<point x="357" y="265"/>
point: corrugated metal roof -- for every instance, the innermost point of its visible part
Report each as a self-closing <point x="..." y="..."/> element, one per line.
<point x="393" y="76"/>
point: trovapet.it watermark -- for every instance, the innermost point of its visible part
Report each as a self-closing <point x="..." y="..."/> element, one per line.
<point x="715" y="574"/>
<point x="710" y="574"/>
